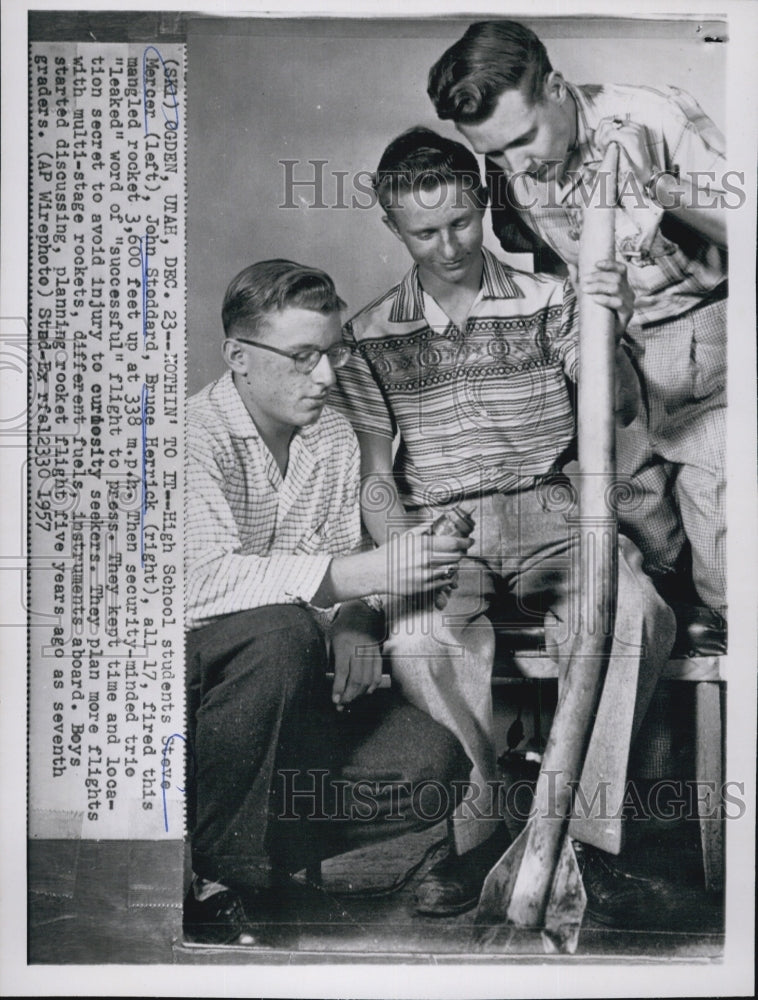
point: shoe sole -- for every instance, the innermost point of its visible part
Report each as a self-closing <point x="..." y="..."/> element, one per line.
<point x="448" y="911"/>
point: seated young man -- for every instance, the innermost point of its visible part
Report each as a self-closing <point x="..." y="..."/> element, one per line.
<point x="471" y="361"/>
<point x="272" y="522"/>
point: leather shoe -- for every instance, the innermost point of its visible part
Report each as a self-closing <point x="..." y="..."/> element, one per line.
<point x="266" y="918"/>
<point x="617" y="898"/>
<point x="220" y="919"/>
<point x="700" y="631"/>
<point x="454" y="884"/>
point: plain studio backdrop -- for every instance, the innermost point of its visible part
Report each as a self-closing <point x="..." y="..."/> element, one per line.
<point x="263" y="91"/>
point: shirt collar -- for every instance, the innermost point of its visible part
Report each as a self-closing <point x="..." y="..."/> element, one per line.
<point x="497" y="283"/>
<point x="409" y="304"/>
<point x="497" y="279"/>
<point x="584" y="153"/>
<point x="233" y="411"/>
<point x="239" y="424"/>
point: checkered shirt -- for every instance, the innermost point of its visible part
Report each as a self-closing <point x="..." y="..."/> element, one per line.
<point x="481" y="409"/>
<point x="682" y="267"/>
<point x="253" y="538"/>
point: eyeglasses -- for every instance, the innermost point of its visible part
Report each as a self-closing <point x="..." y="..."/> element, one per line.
<point x="306" y="361"/>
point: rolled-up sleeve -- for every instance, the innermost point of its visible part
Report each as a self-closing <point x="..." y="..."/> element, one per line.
<point x="357" y="394"/>
<point x="565" y="347"/>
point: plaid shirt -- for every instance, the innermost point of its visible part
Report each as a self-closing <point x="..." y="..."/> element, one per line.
<point x="681" y="268"/>
<point x="480" y="409"/>
<point x="253" y="538"/>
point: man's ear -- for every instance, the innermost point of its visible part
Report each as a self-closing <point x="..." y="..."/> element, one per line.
<point x="554" y="88"/>
<point x="234" y="355"/>
<point x="392" y="226"/>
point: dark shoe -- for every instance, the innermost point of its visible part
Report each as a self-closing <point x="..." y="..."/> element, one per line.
<point x="220" y="919"/>
<point x="700" y="631"/>
<point x="620" y="899"/>
<point x="267" y="918"/>
<point x="454" y="884"/>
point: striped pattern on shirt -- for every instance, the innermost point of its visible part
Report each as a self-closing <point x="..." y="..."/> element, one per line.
<point x="683" y="267"/>
<point x="482" y="409"/>
<point x="253" y="538"/>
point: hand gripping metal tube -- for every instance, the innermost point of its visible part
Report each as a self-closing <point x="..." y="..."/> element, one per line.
<point x="452" y="522"/>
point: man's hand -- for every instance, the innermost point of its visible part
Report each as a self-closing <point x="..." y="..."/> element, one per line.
<point x="608" y="286"/>
<point x="418" y="562"/>
<point x="412" y="562"/>
<point x="356" y="649"/>
<point x="633" y="139"/>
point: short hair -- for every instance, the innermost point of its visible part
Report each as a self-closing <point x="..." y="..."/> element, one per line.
<point x="492" y="57"/>
<point x="420" y="159"/>
<point x="272" y="285"/>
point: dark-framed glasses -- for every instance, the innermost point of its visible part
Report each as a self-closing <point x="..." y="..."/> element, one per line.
<point x="306" y="360"/>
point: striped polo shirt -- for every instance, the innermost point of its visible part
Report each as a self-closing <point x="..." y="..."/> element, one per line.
<point x="481" y="409"/>
<point x="680" y="268"/>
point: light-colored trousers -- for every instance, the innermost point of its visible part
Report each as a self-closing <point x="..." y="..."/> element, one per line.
<point x="673" y="455"/>
<point x="442" y="660"/>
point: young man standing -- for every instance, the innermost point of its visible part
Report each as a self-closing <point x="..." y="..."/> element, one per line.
<point x="272" y="525"/>
<point x="471" y="362"/>
<point x="544" y="139"/>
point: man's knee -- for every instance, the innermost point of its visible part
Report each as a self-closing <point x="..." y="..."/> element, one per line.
<point x="276" y="647"/>
<point x="436" y="645"/>
<point x="637" y="597"/>
<point x="297" y="649"/>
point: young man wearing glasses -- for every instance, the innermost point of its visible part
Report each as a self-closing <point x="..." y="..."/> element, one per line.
<point x="272" y="529"/>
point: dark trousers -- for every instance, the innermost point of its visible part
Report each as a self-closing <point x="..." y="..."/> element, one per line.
<point x="257" y="703"/>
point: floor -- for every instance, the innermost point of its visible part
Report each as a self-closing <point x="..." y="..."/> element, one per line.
<point x="94" y="902"/>
<point x="119" y="902"/>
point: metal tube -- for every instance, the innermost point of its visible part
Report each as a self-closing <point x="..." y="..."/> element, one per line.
<point x="580" y="690"/>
